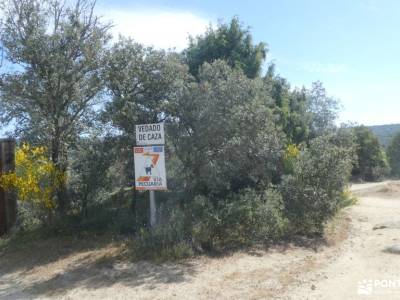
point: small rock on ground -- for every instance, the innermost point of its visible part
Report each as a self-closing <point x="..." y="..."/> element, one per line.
<point x="392" y="225"/>
<point x="395" y="249"/>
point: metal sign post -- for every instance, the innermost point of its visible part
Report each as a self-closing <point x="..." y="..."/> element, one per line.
<point x="153" y="209"/>
<point x="150" y="163"/>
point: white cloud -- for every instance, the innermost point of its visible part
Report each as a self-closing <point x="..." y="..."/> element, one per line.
<point x="159" y="28"/>
<point x="311" y="66"/>
<point x="314" y="67"/>
<point x="370" y="5"/>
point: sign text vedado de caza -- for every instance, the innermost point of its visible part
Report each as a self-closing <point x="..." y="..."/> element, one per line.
<point x="150" y="134"/>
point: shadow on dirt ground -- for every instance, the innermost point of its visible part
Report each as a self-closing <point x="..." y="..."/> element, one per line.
<point x="95" y="275"/>
<point x="55" y="266"/>
<point x="52" y="266"/>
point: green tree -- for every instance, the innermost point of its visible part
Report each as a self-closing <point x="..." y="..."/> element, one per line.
<point x="322" y="108"/>
<point x="59" y="50"/>
<point x="90" y="162"/>
<point x="371" y="161"/>
<point x="230" y="42"/>
<point x="143" y="82"/>
<point x="225" y="134"/>
<point x="292" y="107"/>
<point x="313" y="191"/>
<point x="299" y="119"/>
<point x="393" y="152"/>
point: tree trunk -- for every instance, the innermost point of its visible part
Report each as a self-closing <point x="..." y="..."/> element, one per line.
<point x="8" y="200"/>
<point x="85" y="206"/>
<point x="61" y="166"/>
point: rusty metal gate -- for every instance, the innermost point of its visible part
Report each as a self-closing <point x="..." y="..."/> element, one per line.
<point x="8" y="204"/>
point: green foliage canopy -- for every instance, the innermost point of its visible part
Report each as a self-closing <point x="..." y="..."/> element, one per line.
<point x="371" y="158"/>
<point x="59" y="50"/>
<point x="143" y="83"/>
<point x="394" y="155"/>
<point x="229" y="42"/>
<point x="226" y="135"/>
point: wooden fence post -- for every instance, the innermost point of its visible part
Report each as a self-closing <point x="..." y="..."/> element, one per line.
<point x="8" y="201"/>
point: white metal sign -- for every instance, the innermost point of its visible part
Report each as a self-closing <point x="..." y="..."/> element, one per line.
<point x="150" y="134"/>
<point x="150" y="168"/>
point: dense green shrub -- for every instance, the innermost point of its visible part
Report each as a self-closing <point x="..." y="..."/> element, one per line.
<point x="313" y="192"/>
<point x="371" y="163"/>
<point x="242" y="218"/>
<point x="89" y="177"/>
<point x="29" y="217"/>
<point x="226" y="137"/>
<point x="393" y="152"/>
<point x="167" y="240"/>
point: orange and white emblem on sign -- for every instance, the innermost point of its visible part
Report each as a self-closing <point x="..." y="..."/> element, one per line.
<point x="150" y="168"/>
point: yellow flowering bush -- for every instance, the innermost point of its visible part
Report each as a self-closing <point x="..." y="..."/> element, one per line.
<point x="36" y="178"/>
<point x="347" y="198"/>
<point x="291" y="154"/>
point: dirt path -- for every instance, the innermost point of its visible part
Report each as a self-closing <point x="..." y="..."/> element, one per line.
<point x="368" y="265"/>
<point x="354" y="252"/>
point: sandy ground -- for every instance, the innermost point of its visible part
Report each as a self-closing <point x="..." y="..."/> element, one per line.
<point x="366" y="267"/>
<point x="354" y="262"/>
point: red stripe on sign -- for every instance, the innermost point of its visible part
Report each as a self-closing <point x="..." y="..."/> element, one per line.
<point x="143" y="178"/>
<point x="139" y="149"/>
<point x="139" y="188"/>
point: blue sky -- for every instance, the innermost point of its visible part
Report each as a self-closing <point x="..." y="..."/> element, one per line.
<point x="351" y="46"/>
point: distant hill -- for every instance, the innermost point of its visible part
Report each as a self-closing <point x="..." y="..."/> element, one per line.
<point x="385" y="133"/>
